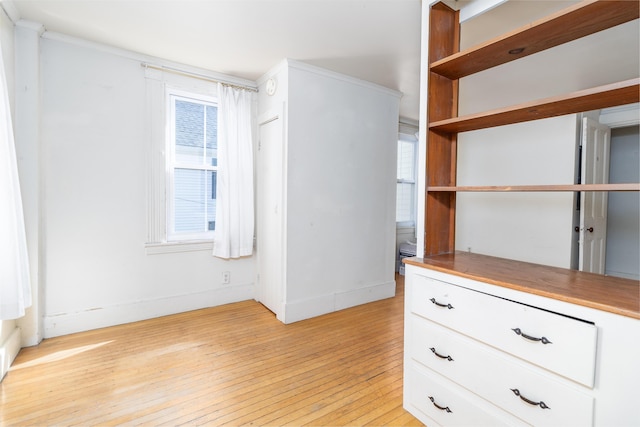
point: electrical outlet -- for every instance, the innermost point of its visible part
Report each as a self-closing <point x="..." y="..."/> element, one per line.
<point x="226" y="277"/>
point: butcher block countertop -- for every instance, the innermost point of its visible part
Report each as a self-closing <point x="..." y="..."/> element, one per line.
<point x="607" y="293"/>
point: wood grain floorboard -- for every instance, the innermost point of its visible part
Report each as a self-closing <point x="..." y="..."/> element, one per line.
<point x="229" y="365"/>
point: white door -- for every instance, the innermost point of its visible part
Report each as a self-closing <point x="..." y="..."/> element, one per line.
<point x="596" y="140"/>
<point x="270" y="216"/>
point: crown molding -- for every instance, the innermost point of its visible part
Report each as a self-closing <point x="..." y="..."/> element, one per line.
<point x="147" y="59"/>
<point x="11" y="10"/>
<point x="31" y="25"/>
<point x="339" y="76"/>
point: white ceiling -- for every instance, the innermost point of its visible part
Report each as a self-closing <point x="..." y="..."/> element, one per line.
<point x="375" y="40"/>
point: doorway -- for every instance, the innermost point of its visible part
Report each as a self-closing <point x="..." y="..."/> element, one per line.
<point x="623" y="212"/>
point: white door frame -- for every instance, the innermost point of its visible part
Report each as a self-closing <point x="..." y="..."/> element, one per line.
<point x="596" y="144"/>
<point x="616" y="117"/>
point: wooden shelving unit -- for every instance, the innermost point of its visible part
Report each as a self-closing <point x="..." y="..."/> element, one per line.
<point x="626" y="92"/>
<point x="447" y="65"/>
<point x="572" y="23"/>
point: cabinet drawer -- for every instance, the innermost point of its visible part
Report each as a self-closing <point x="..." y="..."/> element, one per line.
<point x="558" y="343"/>
<point x="494" y="376"/>
<point x="443" y="402"/>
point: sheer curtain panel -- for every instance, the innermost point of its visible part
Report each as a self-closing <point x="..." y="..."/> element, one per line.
<point x="15" y="286"/>
<point x="233" y="236"/>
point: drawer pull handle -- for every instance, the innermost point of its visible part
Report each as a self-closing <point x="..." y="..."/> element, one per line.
<point x="543" y="340"/>
<point x="441" y="356"/>
<point x="541" y="404"/>
<point x="442" y="408"/>
<point x="439" y="304"/>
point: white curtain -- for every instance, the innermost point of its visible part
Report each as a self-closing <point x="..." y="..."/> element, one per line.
<point x="15" y="286"/>
<point x="233" y="237"/>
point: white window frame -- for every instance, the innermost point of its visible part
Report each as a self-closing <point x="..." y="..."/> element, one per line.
<point x="171" y="95"/>
<point x="412" y="139"/>
<point x="158" y="84"/>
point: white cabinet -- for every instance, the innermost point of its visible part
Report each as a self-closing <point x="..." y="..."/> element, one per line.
<point x="552" y="341"/>
<point x="478" y="353"/>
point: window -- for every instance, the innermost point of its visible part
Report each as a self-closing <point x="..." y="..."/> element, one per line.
<point x="406" y="183"/>
<point x="192" y="166"/>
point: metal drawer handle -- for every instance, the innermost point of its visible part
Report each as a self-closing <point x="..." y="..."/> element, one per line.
<point x="442" y="408"/>
<point x="433" y="300"/>
<point x="543" y="340"/>
<point x="441" y="356"/>
<point x="541" y="404"/>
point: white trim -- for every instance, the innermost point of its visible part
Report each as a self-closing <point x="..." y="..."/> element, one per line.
<point x="174" y="247"/>
<point x="338" y="76"/>
<point x="9" y="349"/>
<point x="156" y="210"/>
<point x="409" y="122"/>
<point x="171" y="96"/>
<point x="268" y="117"/>
<point x="159" y="85"/>
<point x="620" y="116"/>
<point x="478" y="7"/>
<point x="50" y="35"/>
<point x="30" y="25"/>
<point x="99" y="317"/>
<point x="323" y="304"/>
<point x="410" y="135"/>
<point x="422" y="132"/>
<point x="11" y="11"/>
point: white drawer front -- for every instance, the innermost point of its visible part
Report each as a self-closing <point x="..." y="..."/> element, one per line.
<point x="560" y="344"/>
<point x="493" y="376"/>
<point x="439" y="400"/>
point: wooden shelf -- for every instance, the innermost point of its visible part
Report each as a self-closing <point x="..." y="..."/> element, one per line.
<point x="533" y="188"/>
<point x="611" y="95"/>
<point x="582" y="19"/>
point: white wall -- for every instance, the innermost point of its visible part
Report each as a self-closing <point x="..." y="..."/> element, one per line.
<point x="94" y="137"/>
<point x="341" y="185"/>
<point x="339" y="197"/>
<point x="535" y="227"/>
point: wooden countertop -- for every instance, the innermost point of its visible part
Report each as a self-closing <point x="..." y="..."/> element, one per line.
<point x="607" y="293"/>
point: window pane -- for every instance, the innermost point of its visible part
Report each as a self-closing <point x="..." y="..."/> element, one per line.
<point x="211" y="199"/>
<point x="212" y="135"/>
<point x="189" y="201"/>
<point x="189" y="131"/>
<point x="404" y="202"/>
<point x="406" y="161"/>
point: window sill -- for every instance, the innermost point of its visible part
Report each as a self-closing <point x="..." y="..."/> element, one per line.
<point x="174" y="247"/>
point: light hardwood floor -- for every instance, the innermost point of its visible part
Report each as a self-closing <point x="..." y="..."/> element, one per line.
<point x="234" y="364"/>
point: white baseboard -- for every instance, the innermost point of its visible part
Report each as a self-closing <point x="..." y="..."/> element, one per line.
<point x="365" y="295"/>
<point x="306" y="309"/>
<point x="69" y="323"/>
<point x="9" y="349"/>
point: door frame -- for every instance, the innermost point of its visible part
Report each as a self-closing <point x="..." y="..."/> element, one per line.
<point x="613" y="117"/>
<point x="277" y="305"/>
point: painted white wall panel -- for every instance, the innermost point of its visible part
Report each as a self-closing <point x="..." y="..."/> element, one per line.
<point x="342" y="140"/>
<point x="534" y="227"/>
<point x="94" y="134"/>
<point x="340" y="178"/>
